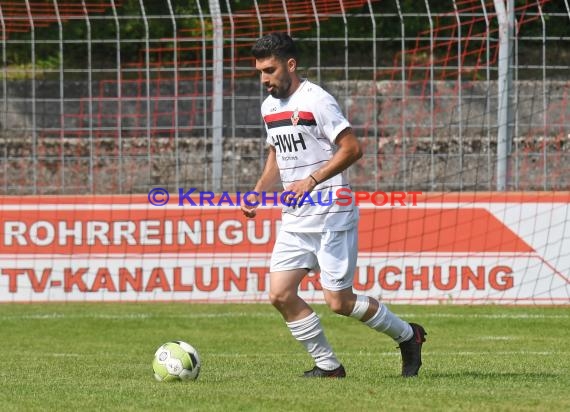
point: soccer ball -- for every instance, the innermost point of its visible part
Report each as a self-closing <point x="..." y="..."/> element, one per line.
<point x="175" y="361"/>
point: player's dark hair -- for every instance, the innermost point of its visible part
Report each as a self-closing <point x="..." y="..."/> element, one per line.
<point x="279" y="45"/>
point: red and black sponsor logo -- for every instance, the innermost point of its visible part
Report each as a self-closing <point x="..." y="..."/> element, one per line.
<point x="289" y="118"/>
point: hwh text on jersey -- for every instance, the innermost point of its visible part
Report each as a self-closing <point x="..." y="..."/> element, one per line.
<point x="288" y="142"/>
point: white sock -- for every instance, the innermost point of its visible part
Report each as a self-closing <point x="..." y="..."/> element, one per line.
<point x="383" y="321"/>
<point x="310" y="334"/>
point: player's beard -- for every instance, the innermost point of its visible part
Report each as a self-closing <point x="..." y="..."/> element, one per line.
<point x="282" y="91"/>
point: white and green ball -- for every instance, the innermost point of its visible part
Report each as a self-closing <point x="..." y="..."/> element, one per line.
<point x="175" y="361"/>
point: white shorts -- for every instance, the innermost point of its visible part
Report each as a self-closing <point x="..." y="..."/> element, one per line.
<point x="334" y="253"/>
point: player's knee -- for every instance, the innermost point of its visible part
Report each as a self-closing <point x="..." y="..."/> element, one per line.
<point x="279" y="299"/>
<point x="340" y="306"/>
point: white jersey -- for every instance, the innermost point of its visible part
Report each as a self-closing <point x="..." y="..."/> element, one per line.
<point x="303" y="129"/>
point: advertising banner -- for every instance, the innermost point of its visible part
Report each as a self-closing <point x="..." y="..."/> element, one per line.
<point x="430" y="248"/>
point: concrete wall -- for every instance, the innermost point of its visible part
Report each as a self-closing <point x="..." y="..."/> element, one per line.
<point x="411" y="141"/>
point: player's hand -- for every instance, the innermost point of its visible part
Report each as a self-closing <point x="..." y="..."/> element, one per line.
<point x="249" y="205"/>
<point x="298" y="189"/>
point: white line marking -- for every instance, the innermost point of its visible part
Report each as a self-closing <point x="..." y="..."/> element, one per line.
<point x="485" y="316"/>
<point x="63" y="355"/>
<point x="128" y="316"/>
<point x="496" y="338"/>
<point x="206" y="315"/>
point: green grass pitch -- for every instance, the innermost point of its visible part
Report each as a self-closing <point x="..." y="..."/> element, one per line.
<point x="86" y="357"/>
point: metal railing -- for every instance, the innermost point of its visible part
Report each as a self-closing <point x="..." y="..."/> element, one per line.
<point x="119" y="96"/>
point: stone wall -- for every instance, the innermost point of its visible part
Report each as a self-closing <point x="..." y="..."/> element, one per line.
<point x="411" y="140"/>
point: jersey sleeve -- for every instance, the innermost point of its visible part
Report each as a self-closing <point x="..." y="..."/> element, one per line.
<point x="264" y="112"/>
<point x="267" y="139"/>
<point x="330" y="119"/>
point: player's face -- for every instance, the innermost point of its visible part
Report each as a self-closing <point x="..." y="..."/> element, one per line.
<point x="276" y="75"/>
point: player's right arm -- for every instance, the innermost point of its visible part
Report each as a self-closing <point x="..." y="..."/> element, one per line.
<point x="269" y="178"/>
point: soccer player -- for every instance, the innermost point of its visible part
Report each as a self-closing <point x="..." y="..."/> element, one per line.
<point x="311" y="145"/>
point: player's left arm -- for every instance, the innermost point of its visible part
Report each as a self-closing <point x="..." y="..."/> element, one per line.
<point x="348" y="152"/>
